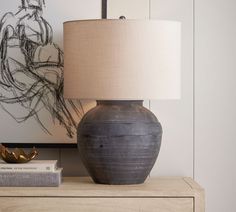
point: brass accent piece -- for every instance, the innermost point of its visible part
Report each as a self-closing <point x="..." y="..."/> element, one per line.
<point x="17" y="155"/>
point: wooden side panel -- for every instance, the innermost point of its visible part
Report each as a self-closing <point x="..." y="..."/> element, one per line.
<point x="97" y="204"/>
<point x="199" y="195"/>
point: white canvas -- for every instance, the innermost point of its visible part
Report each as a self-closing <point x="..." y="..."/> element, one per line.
<point x="32" y="108"/>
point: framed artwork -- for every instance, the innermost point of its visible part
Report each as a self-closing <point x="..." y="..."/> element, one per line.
<point x="32" y="108"/>
<point x="33" y="111"/>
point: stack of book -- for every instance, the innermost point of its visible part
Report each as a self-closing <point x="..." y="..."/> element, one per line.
<point x="36" y="173"/>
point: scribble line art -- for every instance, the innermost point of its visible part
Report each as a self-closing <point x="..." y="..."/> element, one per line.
<point x="31" y="70"/>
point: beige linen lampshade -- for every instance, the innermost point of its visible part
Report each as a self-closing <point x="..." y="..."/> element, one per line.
<point x="122" y="59"/>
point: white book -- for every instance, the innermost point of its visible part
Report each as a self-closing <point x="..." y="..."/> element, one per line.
<point x="32" y="166"/>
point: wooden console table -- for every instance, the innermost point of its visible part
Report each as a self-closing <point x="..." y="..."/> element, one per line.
<point x="176" y="194"/>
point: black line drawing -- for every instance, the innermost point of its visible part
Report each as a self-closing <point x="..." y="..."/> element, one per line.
<point x="31" y="70"/>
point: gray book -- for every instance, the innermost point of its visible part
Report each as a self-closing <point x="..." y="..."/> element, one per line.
<point x="31" y="179"/>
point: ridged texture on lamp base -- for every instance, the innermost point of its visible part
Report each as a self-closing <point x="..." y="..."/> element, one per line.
<point x="119" y="142"/>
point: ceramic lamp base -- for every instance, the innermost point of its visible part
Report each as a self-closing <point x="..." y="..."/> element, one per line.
<point x="119" y="142"/>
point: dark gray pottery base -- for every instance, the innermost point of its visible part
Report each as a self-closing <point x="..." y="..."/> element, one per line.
<point x="119" y="142"/>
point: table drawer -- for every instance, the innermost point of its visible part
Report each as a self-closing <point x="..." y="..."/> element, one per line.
<point x="22" y="204"/>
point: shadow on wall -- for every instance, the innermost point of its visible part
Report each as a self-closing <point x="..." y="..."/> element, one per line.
<point x="69" y="159"/>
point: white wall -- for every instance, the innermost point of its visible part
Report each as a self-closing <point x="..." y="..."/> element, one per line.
<point x="215" y="98"/>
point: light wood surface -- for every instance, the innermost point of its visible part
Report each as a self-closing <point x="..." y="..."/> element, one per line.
<point x="199" y="196"/>
<point x="163" y="194"/>
<point x="97" y="204"/>
<point x="84" y="186"/>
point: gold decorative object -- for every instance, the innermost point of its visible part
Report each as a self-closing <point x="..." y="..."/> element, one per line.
<point x="17" y="155"/>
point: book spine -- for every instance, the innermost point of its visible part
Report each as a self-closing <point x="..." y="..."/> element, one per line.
<point x="27" y="179"/>
<point x="31" y="168"/>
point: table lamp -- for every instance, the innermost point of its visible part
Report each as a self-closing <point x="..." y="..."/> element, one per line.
<point x="120" y="63"/>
